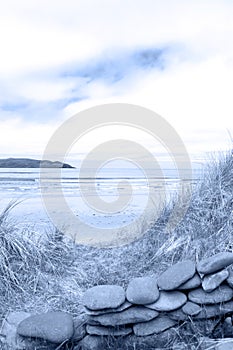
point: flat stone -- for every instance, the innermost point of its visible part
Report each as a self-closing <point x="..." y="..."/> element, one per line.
<point x="176" y="275"/>
<point x="90" y="342"/>
<point x="215" y="263"/>
<point x="230" y="278"/>
<point x="193" y="283"/>
<point x="104" y="297"/>
<point x="142" y="290"/>
<point x="178" y="315"/>
<point x="156" y="326"/>
<point x="217" y="310"/>
<point x="134" y="314"/>
<point x="219" y="295"/>
<point x="191" y="309"/>
<point x="211" y="282"/>
<point x="123" y="307"/>
<point x="108" y="331"/>
<point x="55" y="327"/>
<point x="168" y="301"/>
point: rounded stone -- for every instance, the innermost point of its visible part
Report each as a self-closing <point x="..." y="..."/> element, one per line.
<point x="215" y="263"/>
<point x="176" y="275"/>
<point x="219" y="295"/>
<point x="156" y="326"/>
<point x="55" y="327"/>
<point x="142" y="290"/>
<point x="168" y="301"/>
<point x="104" y="297"/>
<point x="191" y="309"/>
<point x="211" y="282"/>
<point x="193" y="283"/>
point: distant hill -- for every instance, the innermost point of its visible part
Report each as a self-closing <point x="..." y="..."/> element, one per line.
<point x="31" y="163"/>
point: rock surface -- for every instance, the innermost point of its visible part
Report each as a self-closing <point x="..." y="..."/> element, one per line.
<point x="142" y="290"/>
<point x="122" y="307"/>
<point x="156" y="326"/>
<point x="134" y="314"/>
<point x="219" y="295"/>
<point x="215" y="263"/>
<point x="211" y="282"/>
<point x="104" y="297"/>
<point x="191" y="309"/>
<point x="176" y="275"/>
<point x="55" y="327"/>
<point x="108" y="331"/>
<point x="193" y="283"/>
<point x="168" y="301"/>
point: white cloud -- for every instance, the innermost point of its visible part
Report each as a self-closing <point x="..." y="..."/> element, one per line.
<point x="41" y="40"/>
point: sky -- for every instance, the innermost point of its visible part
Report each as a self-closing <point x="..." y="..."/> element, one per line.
<point x="58" y="58"/>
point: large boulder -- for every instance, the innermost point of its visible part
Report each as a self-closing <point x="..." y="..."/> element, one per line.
<point x="55" y="327"/>
<point x="215" y="263"/>
<point x="104" y="297"/>
<point x="176" y="275"/>
<point x="142" y="290"/>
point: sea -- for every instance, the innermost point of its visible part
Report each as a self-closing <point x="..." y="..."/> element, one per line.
<point x="112" y="198"/>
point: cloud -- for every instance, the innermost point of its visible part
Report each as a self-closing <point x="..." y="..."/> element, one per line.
<point x="174" y="57"/>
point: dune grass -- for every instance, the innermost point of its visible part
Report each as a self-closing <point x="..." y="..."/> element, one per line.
<point x="52" y="273"/>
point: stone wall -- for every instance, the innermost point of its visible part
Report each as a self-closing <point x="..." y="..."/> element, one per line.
<point x="186" y="293"/>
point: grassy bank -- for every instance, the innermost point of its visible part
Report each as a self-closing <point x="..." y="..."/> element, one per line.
<point x="51" y="273"/>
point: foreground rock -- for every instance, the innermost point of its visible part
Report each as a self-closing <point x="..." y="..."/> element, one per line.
<point x="219" y="295"/>
<point x="142" y="290"/>
<point x="211" y="282"/>
<point x="176" y="275"/>
<point x="215" y="263"/>
<point x="55" y="327"/>
<point x="168" y="301"/>
<point x="156" y="326"/>
<point x="104" y="297"/>
<point x="134" y="314"/>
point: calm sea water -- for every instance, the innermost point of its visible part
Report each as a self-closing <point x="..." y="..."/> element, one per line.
<point x="108" y="184"/>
